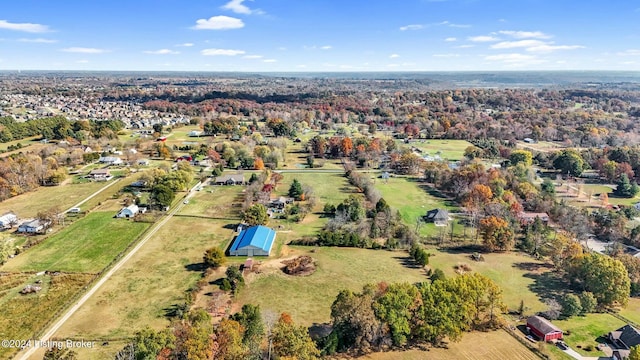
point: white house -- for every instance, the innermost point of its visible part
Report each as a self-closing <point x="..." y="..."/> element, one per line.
<point x="110" y="160"/>
<point x="195" y="133"/>
<point x="131" y="211"/>
<point x="32" y="227"/>
<point x="8" y="220"/>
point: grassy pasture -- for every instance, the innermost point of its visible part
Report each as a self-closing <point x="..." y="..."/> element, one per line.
<point x="632" y="311"/>
<point x="24" y="315"/>
<point x="160" y="273"/>
<point x="517" y="275"/>
<point x="447" y="149"/>
<point x="27" y="205"/>
<point x="473" y="346"/>
<point x="308" y="299"/>
<point x="88" y="245"/>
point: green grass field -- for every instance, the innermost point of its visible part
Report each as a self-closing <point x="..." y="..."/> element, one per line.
<point x="87" y="245"/>
<point x="160" y="273"/>
<point x="308" y="299"/>
<point x="570" y="192"/>
<point x="632" y="311"/>
<point x="586" y="329"/>
<point x="447" y="149"/>
<point x="27" y="205"/>
<point x="473" y="346"/>
<point x="515" y="274"/>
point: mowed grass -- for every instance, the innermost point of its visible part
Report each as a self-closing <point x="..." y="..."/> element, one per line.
<point x="24" y="315"/>
<point x="330" y="188"/>
<point x="308" y="299"/>
<point x="570" y="192"/>
<point x="158" y="276"/>
<point x="514" y="273"/>
<point x="632" y="311"/>
<point x="88" y="245"/>
<point x="586" y="329"/>
<point x="447" y="149"/>
<point x="473" y="346"/>
<point x="28" y="205"/>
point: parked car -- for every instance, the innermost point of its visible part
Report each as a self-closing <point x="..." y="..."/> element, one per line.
<point x="562" y="345"/>
<point x="530" y="338"/>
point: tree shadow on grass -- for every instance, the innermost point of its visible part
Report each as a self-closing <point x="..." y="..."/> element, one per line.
<point x="547" y="285"/>
<point x="533" y="266"/>
<point x="408" y="262"/>
<point x="197" y="267"/>
<point x="320" y="330"/>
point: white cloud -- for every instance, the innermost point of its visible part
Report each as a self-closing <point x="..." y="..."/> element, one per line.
<point x="450" y="24"/>
<point x="269" y="60"/>
<point x="84" y="50"/>
<point x="450" y="39"/>
<point x="26" y="27"/>
<point x="82" y="61"/>
<point x="221" y="52"/>
<point x="465" y="46"/>
<point x="525" y="34"/>
<point x="302" y="66"/>
<point x="412" y="27"/>
<point x="252" y="57"/>
<point x="510" y="58"/>
<point x="550" y="48"/>
<point x="238" y="7"/>
<point x="630" y="52"/>
<point x="220" y="22"/>
<point x="483" y="38"/>
<point x="326" y="47"/>
<point x="517" y="44"/>
<point x="162" y="52"/>
<point x="38" y="40"/>
<point x="185" y="44"/>
<point x="393" y="56"/>
<point x="446" y="55"/>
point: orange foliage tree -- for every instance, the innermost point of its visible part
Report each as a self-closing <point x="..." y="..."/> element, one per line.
<point x="496" y="234"/>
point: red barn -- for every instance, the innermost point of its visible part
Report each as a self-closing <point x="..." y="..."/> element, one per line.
<point x="543" y="329"/>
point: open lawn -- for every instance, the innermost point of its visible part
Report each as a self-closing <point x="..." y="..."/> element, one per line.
<point x="413" y="198"/>
<point x="158" y="276"/>
<point x="88" y="245"/>
<point x="585" y="331"/>
<point x="28" y="205"/>
<point x="447" y="149"/>
<point x="517" y="275"/>
<point x="632" y="311"/>
<point x="473" y="346"/>
<point x="579" y="195"/>
<point x="308" y="299"/>
<point x="24" y="315"/>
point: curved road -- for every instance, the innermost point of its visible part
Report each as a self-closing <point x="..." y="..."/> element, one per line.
<point x="25" y="354"/>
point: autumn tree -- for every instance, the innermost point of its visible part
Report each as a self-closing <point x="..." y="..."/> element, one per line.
<point x="255" y="215"/>
<point x="397" y="307"/>
<point x="521" y="157"/>
<point x="193" y="337"/>
<point x="604" y="276"/>
<point x="634" y="353"/>
<point x="569" y="162"/>
<point x="214" y="257"/>
<point x="258" y="164"/>
<point x="250" y="319"/>
<point x="291" y="341"/>
<point x="346" y="146"/>
<point x="496" y="234"/>
<point x="229" y="334"/>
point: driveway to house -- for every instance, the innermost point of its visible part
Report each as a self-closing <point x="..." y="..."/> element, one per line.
<point x="93" y="195"/>
<point x="27" y="353"/>
<point x="574" y="354"/>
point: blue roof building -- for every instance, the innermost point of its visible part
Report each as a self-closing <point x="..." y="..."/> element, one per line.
<point x="253" y="241"/>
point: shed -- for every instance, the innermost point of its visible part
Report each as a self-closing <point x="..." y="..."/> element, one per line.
<point x="439" y="217"/>
<point x="8" y="220"/>
<point x="254" y="241"/>
<point x="129" y="211"/>
<point x="543" y="328"/>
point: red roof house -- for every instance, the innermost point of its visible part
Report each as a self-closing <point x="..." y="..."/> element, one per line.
<point x="543" y="329"/>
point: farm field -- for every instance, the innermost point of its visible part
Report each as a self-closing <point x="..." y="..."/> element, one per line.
<point x="88" y="245"/>
<point x="28" y="205"/>
<point x="24" y="315"/>
<point x="585" y="330"/>
<point x="447" y="149"/>
<point x="473" y="346"/>
<point x="517" y="275"/>
<point x="158" y="276"/>
<point x="308" y="299"/>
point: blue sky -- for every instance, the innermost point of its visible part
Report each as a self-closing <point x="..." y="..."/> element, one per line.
<point x="320" y="35"/>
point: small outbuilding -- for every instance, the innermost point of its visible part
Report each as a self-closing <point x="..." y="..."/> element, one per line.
<point x="439" y="217"/>
<point x="543" y="329"/>
<point x="100" y="175"/>
<point x="253" y="241"/>
<point x="33" y="226"/>
<point x="131" y="211"/>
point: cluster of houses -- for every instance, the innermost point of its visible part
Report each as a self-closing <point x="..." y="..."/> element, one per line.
<point x="35" y="226"/>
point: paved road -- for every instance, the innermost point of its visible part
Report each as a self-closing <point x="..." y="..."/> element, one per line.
<point x="311" y="171"/>
<point x="25" y="354"/>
